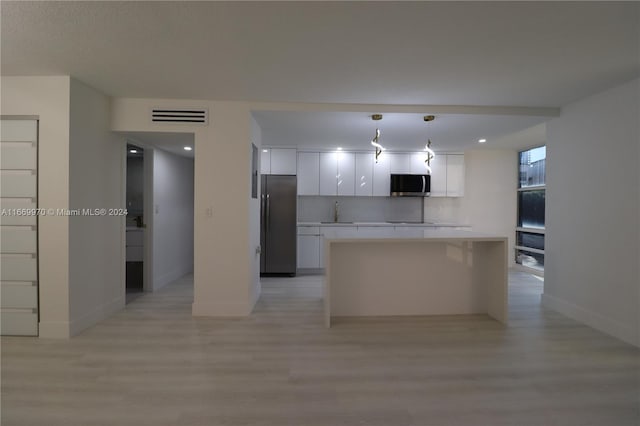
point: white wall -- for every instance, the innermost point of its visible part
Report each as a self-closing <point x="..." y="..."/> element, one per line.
<point x="96" y="243"/>
<point x="172" y="217"/>
<point x="592" y="212"/>
<point x="48" y="98"/>
<point x="490" y="200"/>
<point x="223" y="271"/>
<point x="254" y="218"/>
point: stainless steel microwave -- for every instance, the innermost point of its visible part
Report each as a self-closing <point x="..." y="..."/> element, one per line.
<point x="405" y="185"/>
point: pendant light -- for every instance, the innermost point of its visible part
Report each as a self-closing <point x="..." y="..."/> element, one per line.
<point x="430" y="154"/>
<point x="376" y="140"/>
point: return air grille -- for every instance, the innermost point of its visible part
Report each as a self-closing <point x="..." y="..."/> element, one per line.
<point x="173" y="115"/>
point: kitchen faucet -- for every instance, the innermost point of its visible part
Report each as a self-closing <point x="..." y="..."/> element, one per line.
<point x="335" y="212"/>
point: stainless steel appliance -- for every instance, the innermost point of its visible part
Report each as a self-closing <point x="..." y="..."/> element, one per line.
<point x="278" y="225"/>
<point x="404" y="185"/>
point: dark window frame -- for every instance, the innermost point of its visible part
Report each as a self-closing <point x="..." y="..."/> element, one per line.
<point x="528" y="253"/>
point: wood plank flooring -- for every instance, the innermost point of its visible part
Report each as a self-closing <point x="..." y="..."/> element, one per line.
<point x="154" y="364"/>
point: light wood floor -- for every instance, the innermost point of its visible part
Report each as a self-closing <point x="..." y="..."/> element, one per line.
<point x="154" y="364"/>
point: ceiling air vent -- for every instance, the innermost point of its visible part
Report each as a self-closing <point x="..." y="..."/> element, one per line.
<point x="179" y="115"/>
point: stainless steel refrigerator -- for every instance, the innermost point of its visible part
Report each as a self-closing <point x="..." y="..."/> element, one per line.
<point x="278" y="225"/>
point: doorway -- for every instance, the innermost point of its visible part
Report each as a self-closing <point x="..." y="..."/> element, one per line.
<point x="135" y="223"/>
<point x="160" y="210"/>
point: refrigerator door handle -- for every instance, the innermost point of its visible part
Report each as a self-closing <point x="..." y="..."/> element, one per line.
<point x="262" y="212"/>
<point x="268" y="212"/>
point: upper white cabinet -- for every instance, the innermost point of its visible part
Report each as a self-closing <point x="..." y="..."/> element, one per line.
<point x="439" y="176"/>
<point x="447" y="176"/>
<point x="328" y="173"/>
<point x="381" y="183"/>
<point x="349" y="173"/>
<point x="283" y="161"/>
<point x="418" y="166"/>
<point x="400" y="163"/>
<point x="455" y="175"/>
<point x="345" y="179"/>
<point x="337" y="173"/>
<point x="308" y="173"/>
<point x="364" y="174"/>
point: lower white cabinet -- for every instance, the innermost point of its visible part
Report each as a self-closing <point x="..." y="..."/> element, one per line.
<point x="308" y="251"/>
<point x="19" y="232"/>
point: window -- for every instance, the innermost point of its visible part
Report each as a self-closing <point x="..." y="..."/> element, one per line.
<point x="531" y="202"/>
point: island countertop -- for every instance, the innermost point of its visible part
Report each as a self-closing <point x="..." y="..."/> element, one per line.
<point x="415" y="272"/>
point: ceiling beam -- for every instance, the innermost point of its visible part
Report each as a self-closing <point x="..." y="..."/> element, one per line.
<point x="418" y="109"/>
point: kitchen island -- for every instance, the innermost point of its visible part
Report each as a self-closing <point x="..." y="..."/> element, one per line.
<point x="415" y="272"/>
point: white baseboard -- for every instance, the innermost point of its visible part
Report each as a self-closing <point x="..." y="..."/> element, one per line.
<point x="53" y="330"/>
<point x="255" y="295"/>
<point x="592" y="319"/>
<point x="228" y="309"/>
<point x="96" y="315"/>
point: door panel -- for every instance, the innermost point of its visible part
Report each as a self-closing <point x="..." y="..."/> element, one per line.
<point x="281" y="222"/>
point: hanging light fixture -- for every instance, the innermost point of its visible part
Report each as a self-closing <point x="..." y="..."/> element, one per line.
<point x="376" y="140"/>
<point x="430" y="154"/>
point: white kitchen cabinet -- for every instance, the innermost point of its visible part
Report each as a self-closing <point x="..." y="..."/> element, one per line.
<point x="439" y="176"/>
<point x="381" y="183"/>
<point x="328" y="173"/>
<point x="455" y="175"/>
<point x="265" y="162"/>
<point x="400" y="163"/>
<point x="418" y="166"/>
<point x="308" y="173"/>
<point x="345" y="179"/>
<point x="364" y="174"/>
<point x="283" y="161"/>
<point x="308" y="251"/>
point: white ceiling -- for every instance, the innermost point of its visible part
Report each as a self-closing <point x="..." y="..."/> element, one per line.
<point x="399" y="131"/>
<point x="526" y="54"/>
<point x="170" y="142"/>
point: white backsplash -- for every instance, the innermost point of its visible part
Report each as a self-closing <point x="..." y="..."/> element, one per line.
<point x="444" y="209"/>
<point x="378" y="209"/>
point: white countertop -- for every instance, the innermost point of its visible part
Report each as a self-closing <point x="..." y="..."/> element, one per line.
<point x="386" y="224"/>
<point x="417" y="234"/>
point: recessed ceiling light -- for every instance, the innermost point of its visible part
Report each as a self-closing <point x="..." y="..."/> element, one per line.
<point x="339" y="148"/>
<point x="482" y="140"/>
<point x="265" y="150"/>
<point x="133" y="151"/>
<point x="187" y="148"/>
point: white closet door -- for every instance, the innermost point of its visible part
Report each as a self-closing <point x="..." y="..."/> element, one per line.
<point x="18" y="228"/>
